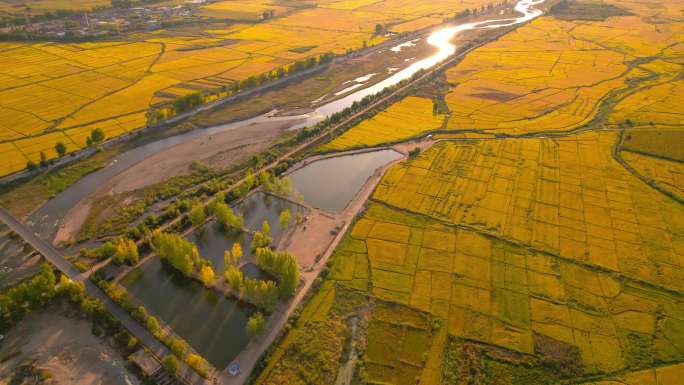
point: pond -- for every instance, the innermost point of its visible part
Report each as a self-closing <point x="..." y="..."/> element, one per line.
<point x="260" y="207"/>
<point x="212" y="241"/>
<point x="331" y="183"/>
<point x="212" y="324"/>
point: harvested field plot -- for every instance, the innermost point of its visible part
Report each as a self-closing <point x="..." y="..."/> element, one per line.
<point x="410" y="117"/>
<point x="657" y="141"/>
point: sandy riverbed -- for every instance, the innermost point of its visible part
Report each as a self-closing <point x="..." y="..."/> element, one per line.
<point x="216" y="150"/>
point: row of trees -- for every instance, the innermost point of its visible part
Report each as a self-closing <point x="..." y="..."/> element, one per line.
<point x="283" y="266"/>
<point x="262" y="238"/>
<point x="95" y="137"/>
<point x="275" y="185"/>
<point x="122" y="250"/>
<point x="22" y="299"/>
<point x="177" y="251"/>
<point x="178" y="346"/>
<point x="188" y="102"/>
<point x="226" y="216"/>
<point x="125" y="251"/>
<point x="474" y="12"/>
<point x="262" y="293"/>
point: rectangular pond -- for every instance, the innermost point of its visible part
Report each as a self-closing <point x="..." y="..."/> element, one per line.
<point x="331" y="183"/>
<point x="260" y="207"/>
<point x="212" y="324"/>
<point x="212" y="242"/>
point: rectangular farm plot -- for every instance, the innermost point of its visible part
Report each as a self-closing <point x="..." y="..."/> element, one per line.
<point x="492" y="291"/>
<point x="405" y="119"/>
<point x="570" y="198"/>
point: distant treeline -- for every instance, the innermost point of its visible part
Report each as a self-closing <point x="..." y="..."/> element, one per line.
<point x="188" y="102"/>
<point x="474" y="12"/>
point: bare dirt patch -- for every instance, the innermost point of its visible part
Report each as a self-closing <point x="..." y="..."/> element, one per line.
<point x="55" y="342"/>
<point x="499" y="96"/>
<point x="311" y="239"/>
<point x="216" y="150"/>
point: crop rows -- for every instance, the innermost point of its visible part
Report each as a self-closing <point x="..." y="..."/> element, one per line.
<point x="566" y="196"/>
<point x="410" y="117"/>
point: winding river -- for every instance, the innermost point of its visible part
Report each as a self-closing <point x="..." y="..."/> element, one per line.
<point x="47" y="219"/>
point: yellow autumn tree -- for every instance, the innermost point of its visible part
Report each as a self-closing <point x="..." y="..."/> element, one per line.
<point x="207" y="276"/>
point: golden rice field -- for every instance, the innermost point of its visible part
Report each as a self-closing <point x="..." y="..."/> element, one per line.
<point x="664" y="375"/>
<point x="41" y="6"/>
<point x="659" y="105"/>
<point x="566" y="196"/>
<point x="44" y="99"/>
<point x="492" y="288"/>
<point x="666" y="173"/>
<point x="552" y="74"/>
<point x="536" y="260"/>
<point x="517" y="246"/>
<point x="410" y="117"/>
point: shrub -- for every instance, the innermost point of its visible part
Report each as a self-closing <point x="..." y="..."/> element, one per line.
<point x="171" y="364"/>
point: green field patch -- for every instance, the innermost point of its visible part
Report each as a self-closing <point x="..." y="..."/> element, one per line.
<point x="390" y="280"/>
<point x="415" y="346"/>
<point x="303" y="49"/>
<point x="669" y="341"/>
<point x="511" y="337"/>
<point x="361" y="228"/>
<point x="434" y="260"/>
<point x="511" y="307"/>
<point x="392" y="253"/>
<point x="440" y="285"/>
<point x="382" y="346"/>
<point x="342" y="266"/>
<point x="352" y="245"/>
<point x="379" y="374"/>
<point x="439" y="240"/>
<point x="392" y="296"/>
<point x="471" y="297"/>
<point x="594" y="324"/>
<point x="473" y="271"/>
<point x="550" y="313"/>
<point x="545" y="285"/>
<point x="400" y="315"/>
<point x="390" y="232"/>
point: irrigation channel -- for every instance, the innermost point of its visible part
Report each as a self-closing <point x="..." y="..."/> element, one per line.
<point x="333" y="190"/>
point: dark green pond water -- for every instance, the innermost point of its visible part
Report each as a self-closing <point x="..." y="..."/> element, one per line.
<point x="260" y="207"/>
<point x="212" y="324"/>
<point x="330" y="184"/>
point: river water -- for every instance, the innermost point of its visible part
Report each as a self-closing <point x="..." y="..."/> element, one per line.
<point x="46" y="220"/>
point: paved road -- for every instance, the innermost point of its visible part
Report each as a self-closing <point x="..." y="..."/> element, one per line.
<point x="57" y="259"/>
